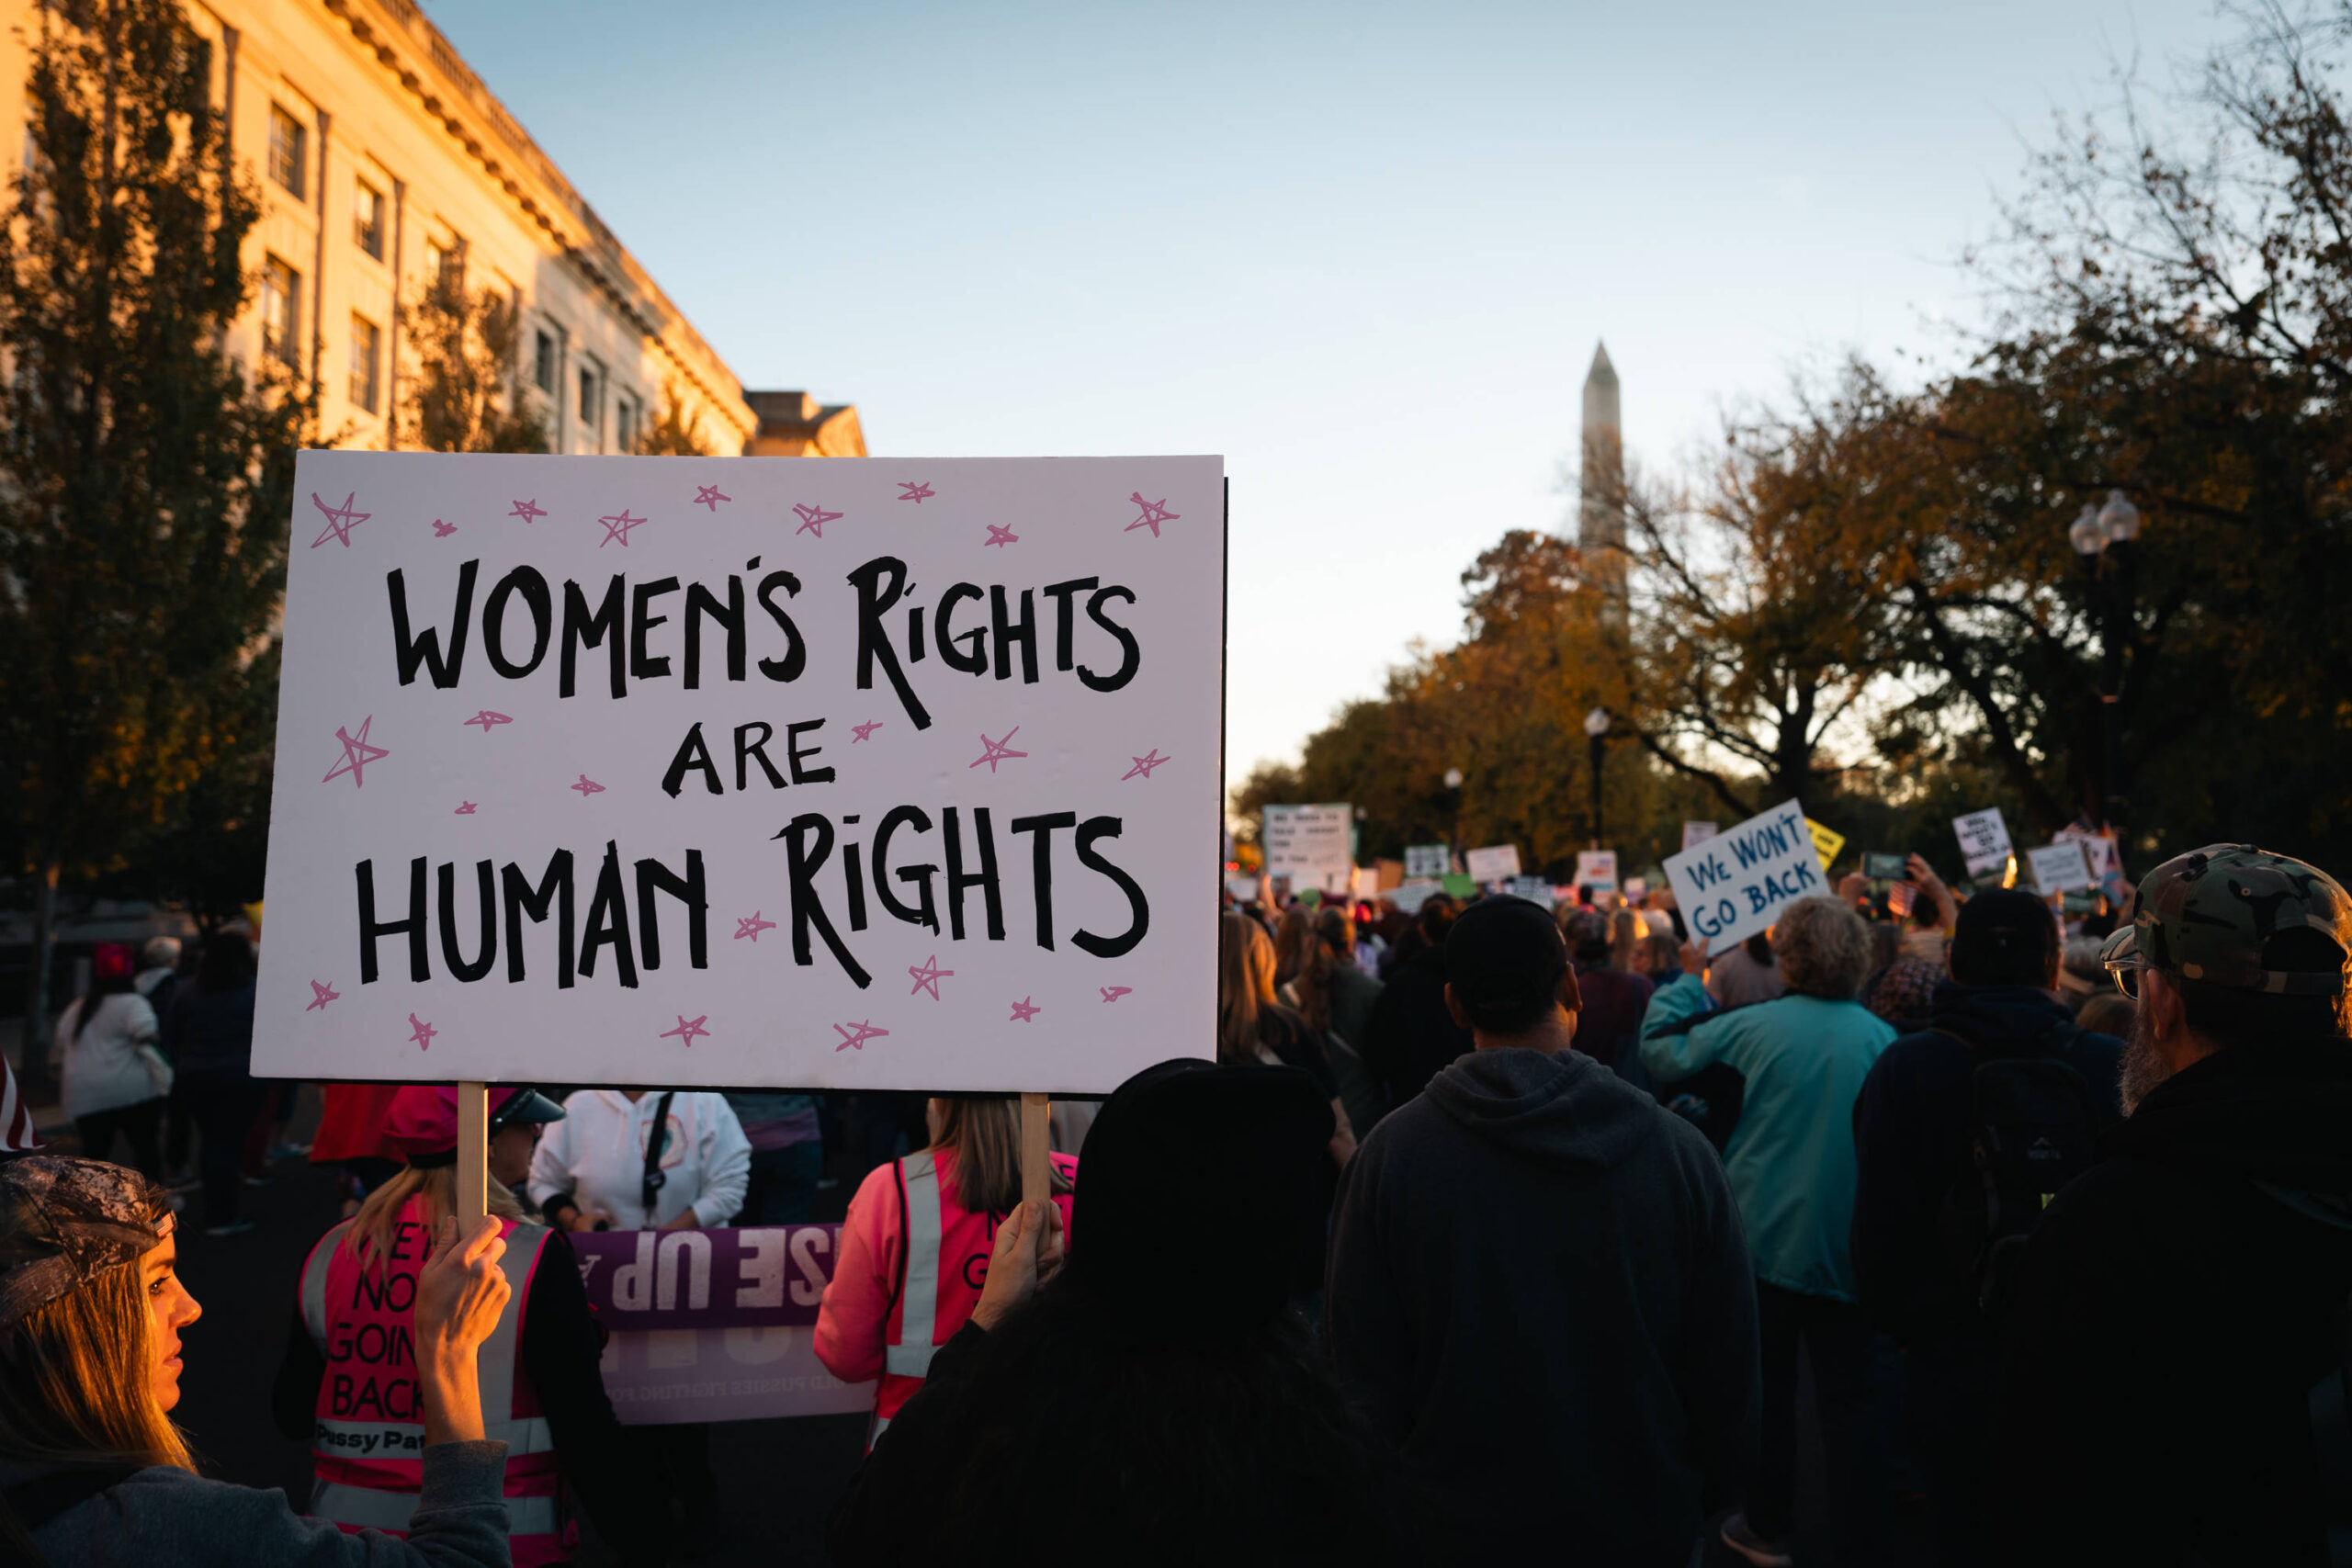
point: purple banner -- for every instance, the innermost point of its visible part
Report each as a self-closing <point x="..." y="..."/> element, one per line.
<point x="753" y="1278"/>
<point x="714" y="1325"/>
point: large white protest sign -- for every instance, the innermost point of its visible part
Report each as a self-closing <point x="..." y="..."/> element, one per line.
<point x="1735" y="884"/>
<point x="1311" y="845"/>
<point x="1497" y="862"/>
<point x="808" y="772"/>
<point x="1596" y="869"/>
<point x="1984" y="839"/>
<point x="2061" y="866"/>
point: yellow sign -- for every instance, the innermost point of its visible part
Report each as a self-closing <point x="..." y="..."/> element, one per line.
<point x="1828" y="841"/>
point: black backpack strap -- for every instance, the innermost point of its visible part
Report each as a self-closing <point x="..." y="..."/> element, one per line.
<point x="655" y="1178"/>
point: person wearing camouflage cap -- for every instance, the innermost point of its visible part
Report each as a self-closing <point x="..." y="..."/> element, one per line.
<point x="2181" y="1311"/>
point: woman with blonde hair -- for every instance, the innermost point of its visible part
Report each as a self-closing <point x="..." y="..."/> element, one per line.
<point x="1791" y="1162"/>
<point x="539" y="1367"/>
<point x="1253" y="1025"/>
<point x="92" y="1468"/>
<point x="914" y="1249"/>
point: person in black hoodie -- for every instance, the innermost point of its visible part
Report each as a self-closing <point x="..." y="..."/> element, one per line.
<point x="1410" y="1036"/>
<point x="1537" y="1284"/>
<point x="1913" y="1141"/>
<point x="2179" y="1306"/>
<point x="1157" y="1402"/>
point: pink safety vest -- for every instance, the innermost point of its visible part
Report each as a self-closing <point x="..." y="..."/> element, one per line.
<point x="943" y="1252"/>
<point x="367" y="1441"/>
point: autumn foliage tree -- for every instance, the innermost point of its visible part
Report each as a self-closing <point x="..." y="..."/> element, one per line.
<point x="465" y="393"/>
<point x="145" y="480"/>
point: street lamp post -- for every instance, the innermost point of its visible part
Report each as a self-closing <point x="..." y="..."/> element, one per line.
<point x="1454" y="798"/>
<point x="2103" y="537"/>
<point x="1596" y="725"/>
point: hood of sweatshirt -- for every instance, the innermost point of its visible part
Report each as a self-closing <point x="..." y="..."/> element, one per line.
<point x="2002" y="1016"/>
<point x="1565" y="1109"/>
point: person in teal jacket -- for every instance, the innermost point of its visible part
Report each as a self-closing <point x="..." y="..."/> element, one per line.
<point x="1791" y="1163"/>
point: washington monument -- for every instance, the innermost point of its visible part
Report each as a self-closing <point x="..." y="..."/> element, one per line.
<point x="1601" y="512"/>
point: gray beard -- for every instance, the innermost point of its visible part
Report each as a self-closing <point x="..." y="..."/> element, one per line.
<point x="2143" y="1066"/>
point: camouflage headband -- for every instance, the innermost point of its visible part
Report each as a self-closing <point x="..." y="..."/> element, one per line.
<point x="65" y="1222"/>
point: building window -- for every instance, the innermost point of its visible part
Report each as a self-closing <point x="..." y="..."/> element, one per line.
<point x="625" y="424"/>
<point x="588" y="397"/>
<point x="543" y="362"/>
<point x="367" y="358"/>
<point x="367" y="219"/>
<point x="289" y="143"/>
<point x="444" y="265"/>
<point x="281" y="313"/>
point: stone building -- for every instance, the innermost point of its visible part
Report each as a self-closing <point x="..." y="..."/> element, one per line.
<point x="382" y="159"/>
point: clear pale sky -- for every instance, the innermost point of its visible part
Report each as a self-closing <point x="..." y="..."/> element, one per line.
<point x="1362" y="250"/>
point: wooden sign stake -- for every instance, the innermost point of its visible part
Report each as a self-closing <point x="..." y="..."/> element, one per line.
<point x="473" y="1153"/>
<point x="1036" y="1145"/>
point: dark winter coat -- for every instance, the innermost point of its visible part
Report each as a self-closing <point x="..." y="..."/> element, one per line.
<point x="1911" y="1145"/>
<point x="2171" y="1314"/>
<point x="1539" y="1287"/>
<point x="1409" y="1036"/>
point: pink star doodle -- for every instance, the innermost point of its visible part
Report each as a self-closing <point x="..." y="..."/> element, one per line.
<point x="752" y="926"/>
<point x="357" y="755"/>
<point x="443" y="530"/>
<point x="998" y="750"/>
<point x="465" y="808"/>
<point x="1001" y="534"/>
<point x="928" y="976"/>
<point x="320" y="994"/>
<point x="1143" y="765"/>
<point x="488" y="719"/>
<point x="616" y="528"/>
<point x="707" y="495"/>
<point x="686" y="1034"/>
<point x="857" y="1035"/>
<point x="813" y="519"/>
<point x="341" y="520"/>
<point x="586" y="786"/>
<point x="1023" y="1012"/>
<point x="1155" y="513"/>
<point x="1112" y="993"/>
<point x="918" y="493"/>
<point x="864" y="731"/>
<point x="528" y="511"/>
<point x="422" y="1034"/>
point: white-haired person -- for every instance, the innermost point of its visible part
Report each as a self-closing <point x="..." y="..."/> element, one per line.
<point x="1789" y="1159"/>
<point x="92" y="1468"/>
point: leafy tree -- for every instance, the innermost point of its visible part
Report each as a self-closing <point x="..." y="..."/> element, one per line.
<point x="1757" y="634"/>
<point x="466" y="392"/>
<point x="144" y="479"/>
<point x="674" y="434"/>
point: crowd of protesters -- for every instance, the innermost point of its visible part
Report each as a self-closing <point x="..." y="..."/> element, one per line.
<point x="1489" y="1234"/>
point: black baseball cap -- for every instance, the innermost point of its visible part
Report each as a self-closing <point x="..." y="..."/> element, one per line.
<point x="1504" y="957"/>
<point x="2004" y="936"/>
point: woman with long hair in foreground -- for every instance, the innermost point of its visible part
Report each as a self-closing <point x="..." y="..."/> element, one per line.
<point x="92" y="1469"/>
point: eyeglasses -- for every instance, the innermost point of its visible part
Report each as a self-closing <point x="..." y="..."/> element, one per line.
<point x="2125" y="972"/>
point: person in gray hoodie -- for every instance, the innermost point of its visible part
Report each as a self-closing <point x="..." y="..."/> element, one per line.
<point x="1538" y="1286"/>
